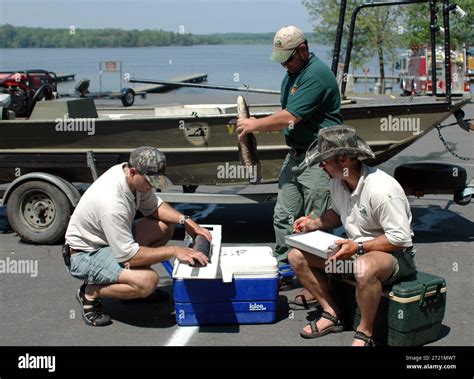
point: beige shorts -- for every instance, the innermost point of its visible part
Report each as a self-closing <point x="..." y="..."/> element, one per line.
<point x="403" y="262"/>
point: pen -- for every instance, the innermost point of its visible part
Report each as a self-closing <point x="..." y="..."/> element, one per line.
<point x="312" y="215"/>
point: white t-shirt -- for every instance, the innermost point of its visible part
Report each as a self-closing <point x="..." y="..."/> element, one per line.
<point x="377" y="206"/>
<point x="105" y="214"/>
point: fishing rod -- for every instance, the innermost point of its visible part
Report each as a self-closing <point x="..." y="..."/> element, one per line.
<point x="208" y="86"/>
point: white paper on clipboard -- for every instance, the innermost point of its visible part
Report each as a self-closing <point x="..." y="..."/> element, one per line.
<point x="318" y="243"/>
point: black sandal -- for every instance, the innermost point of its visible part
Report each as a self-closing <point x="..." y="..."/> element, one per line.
<point x="315" y="332"/>
<point x="303" y="304"/>
<point x="92" y="311"/>
<point x="364" y="337"/>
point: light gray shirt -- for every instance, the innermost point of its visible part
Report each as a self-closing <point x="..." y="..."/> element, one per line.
<point x="377" y="206"/>
<point x="105" y="214"/>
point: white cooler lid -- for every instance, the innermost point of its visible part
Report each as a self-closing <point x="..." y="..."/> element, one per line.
<point x="247" y="261"/>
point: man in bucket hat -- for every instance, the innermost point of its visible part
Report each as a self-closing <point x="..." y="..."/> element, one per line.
<point x="375" y="213"/>
<point x="110" y="251"/>
<point x="310" y="101"/>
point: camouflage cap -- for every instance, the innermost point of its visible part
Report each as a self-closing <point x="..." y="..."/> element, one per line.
<point x="151" y="163"/>
<point x="337" y="141"/>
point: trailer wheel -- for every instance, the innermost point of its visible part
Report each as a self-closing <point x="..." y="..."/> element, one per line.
<point x="39" y="212"/>
<point x="462" y="200"/>
<point x="128" y="97"/>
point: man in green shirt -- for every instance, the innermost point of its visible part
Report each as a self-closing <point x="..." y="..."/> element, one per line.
<point x="310" y="101"/>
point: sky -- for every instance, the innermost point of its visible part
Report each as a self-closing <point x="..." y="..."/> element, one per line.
<point x="190" y="16"/>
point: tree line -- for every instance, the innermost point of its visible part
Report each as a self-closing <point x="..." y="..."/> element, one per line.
<point x="27" y="37"/>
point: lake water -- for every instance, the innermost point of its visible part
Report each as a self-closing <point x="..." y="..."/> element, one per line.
<point x="232" y="65"/>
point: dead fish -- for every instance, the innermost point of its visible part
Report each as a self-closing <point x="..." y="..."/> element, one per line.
<point x="248" y="145"/>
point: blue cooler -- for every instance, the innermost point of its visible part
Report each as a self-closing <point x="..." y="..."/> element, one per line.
<point x="244" y="289"/>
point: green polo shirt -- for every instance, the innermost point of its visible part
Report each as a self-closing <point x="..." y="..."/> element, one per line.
<point x="313" y="95"/>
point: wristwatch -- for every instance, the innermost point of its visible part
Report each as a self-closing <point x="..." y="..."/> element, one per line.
<point x="360" y="248"/>
<point x="182" y="219"/>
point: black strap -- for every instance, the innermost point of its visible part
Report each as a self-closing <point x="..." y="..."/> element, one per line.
<point x="330" y="317"/>
<point x="364" y="337"/>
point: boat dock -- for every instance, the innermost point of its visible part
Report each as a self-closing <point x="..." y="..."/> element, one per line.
<point x="376" y="77"/>
<point x="154" y="88"/>
<point x="65" y="77"/>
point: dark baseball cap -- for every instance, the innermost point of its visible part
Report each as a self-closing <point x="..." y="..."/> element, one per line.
<point x="151" y="163"/>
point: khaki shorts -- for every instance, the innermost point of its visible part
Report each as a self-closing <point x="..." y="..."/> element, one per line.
<point x="403" y="263"/>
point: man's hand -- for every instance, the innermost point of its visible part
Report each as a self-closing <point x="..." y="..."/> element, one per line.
<point x="347" y="249"/>
<point x="245" y="126"/>
<point x="190" y="256"/>
<point x="193" y="229"/>
<point x="306" y="224"/>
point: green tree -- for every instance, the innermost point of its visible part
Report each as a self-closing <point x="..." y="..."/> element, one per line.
<point x="416" y="23"/>
<point x="375" y="32"/>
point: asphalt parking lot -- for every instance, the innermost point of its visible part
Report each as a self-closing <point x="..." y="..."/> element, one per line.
<point x="42" y="311"/>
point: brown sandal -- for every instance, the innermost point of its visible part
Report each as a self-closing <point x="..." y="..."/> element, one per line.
<point x="315" y="332"/>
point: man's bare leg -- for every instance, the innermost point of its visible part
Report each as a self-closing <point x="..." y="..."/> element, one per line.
<point x="372" y="269"/>
<point x="134" y="283"/>
<point x="309" y="271"/>
<point x="153" y="233"/>
<point x="137" y="282"/>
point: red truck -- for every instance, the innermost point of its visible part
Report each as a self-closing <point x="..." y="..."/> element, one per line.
<point x="415" y="72"/>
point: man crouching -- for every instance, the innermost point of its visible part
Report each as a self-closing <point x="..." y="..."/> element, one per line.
<point x="375" y="213"/>
<point x="113" y="253"/>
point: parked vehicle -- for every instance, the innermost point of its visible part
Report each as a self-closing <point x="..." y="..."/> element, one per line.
<point x="470" y="62"/>
<point x="26" y="87"/>
<point x="415" y="72"/>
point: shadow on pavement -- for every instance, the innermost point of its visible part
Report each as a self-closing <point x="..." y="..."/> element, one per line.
<point x="435" y="224"/>
<point x="445" y="330"/>
<point x="234" y="329"/>
<point x="283" y="309"/>
<point x="144" y="315"/>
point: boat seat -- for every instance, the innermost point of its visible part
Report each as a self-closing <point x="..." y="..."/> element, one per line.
<point x="82" y="87"/>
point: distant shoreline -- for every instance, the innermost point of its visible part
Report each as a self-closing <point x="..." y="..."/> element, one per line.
<point x="19" y="37"/>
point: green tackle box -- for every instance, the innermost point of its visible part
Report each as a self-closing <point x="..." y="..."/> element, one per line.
<point x="410" y="311"/>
